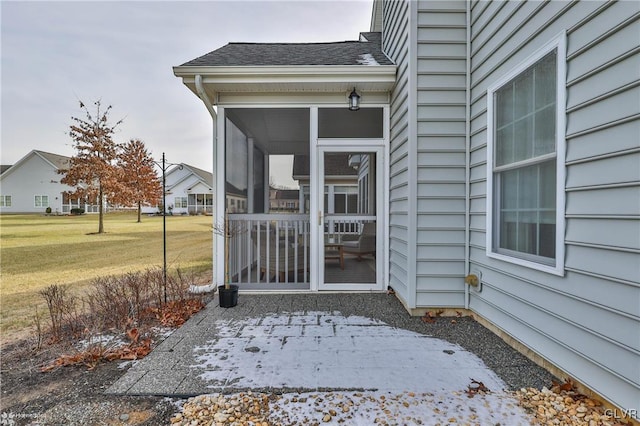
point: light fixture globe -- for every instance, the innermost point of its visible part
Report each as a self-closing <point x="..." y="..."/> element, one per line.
<point x="354" y="101"/>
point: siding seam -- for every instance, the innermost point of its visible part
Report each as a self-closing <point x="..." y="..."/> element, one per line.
<point x="604" y="186"/>
<point x="564" y="345"/>
<point x="589" y="17"/>
<point x="602" y="216"/>
<point x="574" y="270"/>
<point x="603" y="277"/>
<point x="603" y="36"/>
<point x="513" y="52"/>
<point x="603" y="156"/>
<point x="498" y="28"/>
<point x="608" y="64"/>
<point x="602" y="126"/>
<point x="569" y="321"/>
<point x="602" y="246"/>
<point x="490" y="18"/>
<point x="604" y="96"/>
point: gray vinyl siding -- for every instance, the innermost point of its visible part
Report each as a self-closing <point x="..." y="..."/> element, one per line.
<point x="395" y="45"/>
<point x="586" y="322"/>
<point x="441" y="162"/>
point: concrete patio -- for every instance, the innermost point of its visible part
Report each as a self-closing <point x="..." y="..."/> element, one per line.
<point x="314" y="342"/>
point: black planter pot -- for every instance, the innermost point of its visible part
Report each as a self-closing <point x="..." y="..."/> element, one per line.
<point x="228" y="297"/>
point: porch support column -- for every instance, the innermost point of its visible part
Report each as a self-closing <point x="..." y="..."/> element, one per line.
<point x="218" y="181"/>
<point x="267" y="187"/>
<point x="301" y="200"/>
<point x="250" y="188"/>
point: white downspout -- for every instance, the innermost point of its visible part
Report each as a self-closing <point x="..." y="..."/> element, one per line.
<point x="218" y="246"/>
<point x="467" y="177"/>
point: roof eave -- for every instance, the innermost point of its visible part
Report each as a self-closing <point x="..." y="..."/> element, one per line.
<point x="252" y="70"/>
<point x="378" y="78"/>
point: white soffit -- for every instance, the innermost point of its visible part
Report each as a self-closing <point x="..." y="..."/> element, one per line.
<point x="312" y="78"/>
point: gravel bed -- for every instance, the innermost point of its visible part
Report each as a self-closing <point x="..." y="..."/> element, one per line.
<point x="544" y="407"/>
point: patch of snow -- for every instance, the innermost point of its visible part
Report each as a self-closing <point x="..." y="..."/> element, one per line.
<point x="106" y="340"/>
<point x="127" y="364"/>
<point x="344" y="353"/>
<point x="199" y="289"/>
<point x="161" y="332"/>
<point x="367" y="59"/>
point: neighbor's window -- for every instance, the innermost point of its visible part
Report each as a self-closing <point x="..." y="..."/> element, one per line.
<point x="5" y="200"/>
<point x="180" y="202"/>
<point x="41" y="201"/>
<point x="524" y="143"/>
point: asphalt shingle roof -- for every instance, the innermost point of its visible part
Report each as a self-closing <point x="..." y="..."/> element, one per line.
<point x="60" y="161"/>
<point x="366" y="52"/>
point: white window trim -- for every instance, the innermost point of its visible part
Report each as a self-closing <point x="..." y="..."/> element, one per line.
<point x="559" y="43"/>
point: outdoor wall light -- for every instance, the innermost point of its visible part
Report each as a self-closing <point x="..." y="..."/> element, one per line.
<point x="354" y="101"/>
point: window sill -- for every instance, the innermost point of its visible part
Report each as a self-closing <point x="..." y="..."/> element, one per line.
<point x="555" y="270"/>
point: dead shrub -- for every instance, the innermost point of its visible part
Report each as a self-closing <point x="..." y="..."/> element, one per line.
<point x="129" y="303"/>
<point x="63" y="312"/>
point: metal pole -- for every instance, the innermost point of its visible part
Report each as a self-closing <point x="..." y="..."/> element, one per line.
<point x="164" y="230"/>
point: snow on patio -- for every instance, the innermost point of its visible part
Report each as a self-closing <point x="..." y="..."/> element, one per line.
<point x="350" y="370"/>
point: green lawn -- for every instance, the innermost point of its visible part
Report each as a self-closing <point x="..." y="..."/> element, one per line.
<point x="37" y="251"/>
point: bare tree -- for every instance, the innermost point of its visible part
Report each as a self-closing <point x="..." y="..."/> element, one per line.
<point x="93" y="171"/>
<point x="138" y="176"/>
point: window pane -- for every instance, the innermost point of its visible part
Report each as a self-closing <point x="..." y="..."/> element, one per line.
<point x="528" y="187"/>
<point x="509" y="190"/>
<point x="545" y="131"/>
<point x="526" y="216"/>
<point x="340" y="204"/>
<point x="523" y="139"/>
<point x="508" y="229"/>
<point x="504" y="146"/>
<point x="523" y="104"/>
<point x="547" y="235"/>
<point x="504" y="103"/>
<point x="527" y="232"/>
<point x="548" y="185"/>
<point x="545" y="81"/>
<point x="352" y="203"/>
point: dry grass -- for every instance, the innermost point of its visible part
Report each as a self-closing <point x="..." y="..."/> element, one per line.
<point x="37" y="251"/>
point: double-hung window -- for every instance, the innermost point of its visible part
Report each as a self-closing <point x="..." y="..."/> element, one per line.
<point x="180" y="202"/>
<point x="525" y="203"/>
<point x="41" y="201"/>
<point x="5" y="200"/>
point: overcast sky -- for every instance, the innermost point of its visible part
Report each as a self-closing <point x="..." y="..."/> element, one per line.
<point x="55" y="54"/>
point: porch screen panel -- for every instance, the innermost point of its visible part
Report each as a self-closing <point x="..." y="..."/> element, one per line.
<point x="258" y="181"/>
<point x="341" y="123"/>
<point x="236" y="169"/>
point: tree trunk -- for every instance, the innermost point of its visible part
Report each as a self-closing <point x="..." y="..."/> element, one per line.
<point x="139" y="212"/>
<point x="100" y="212"/>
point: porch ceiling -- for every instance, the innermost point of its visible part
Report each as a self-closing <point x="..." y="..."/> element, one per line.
<point x="276" y="130"/>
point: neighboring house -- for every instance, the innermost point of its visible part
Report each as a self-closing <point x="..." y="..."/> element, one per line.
<point x="284" y="200"/>
<point x="341" y="183"/>
<point x="235" y="199"/>
<point x="33" y="184"/>
<point x="189" y="190"/>
<point x="503" y="143"/>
